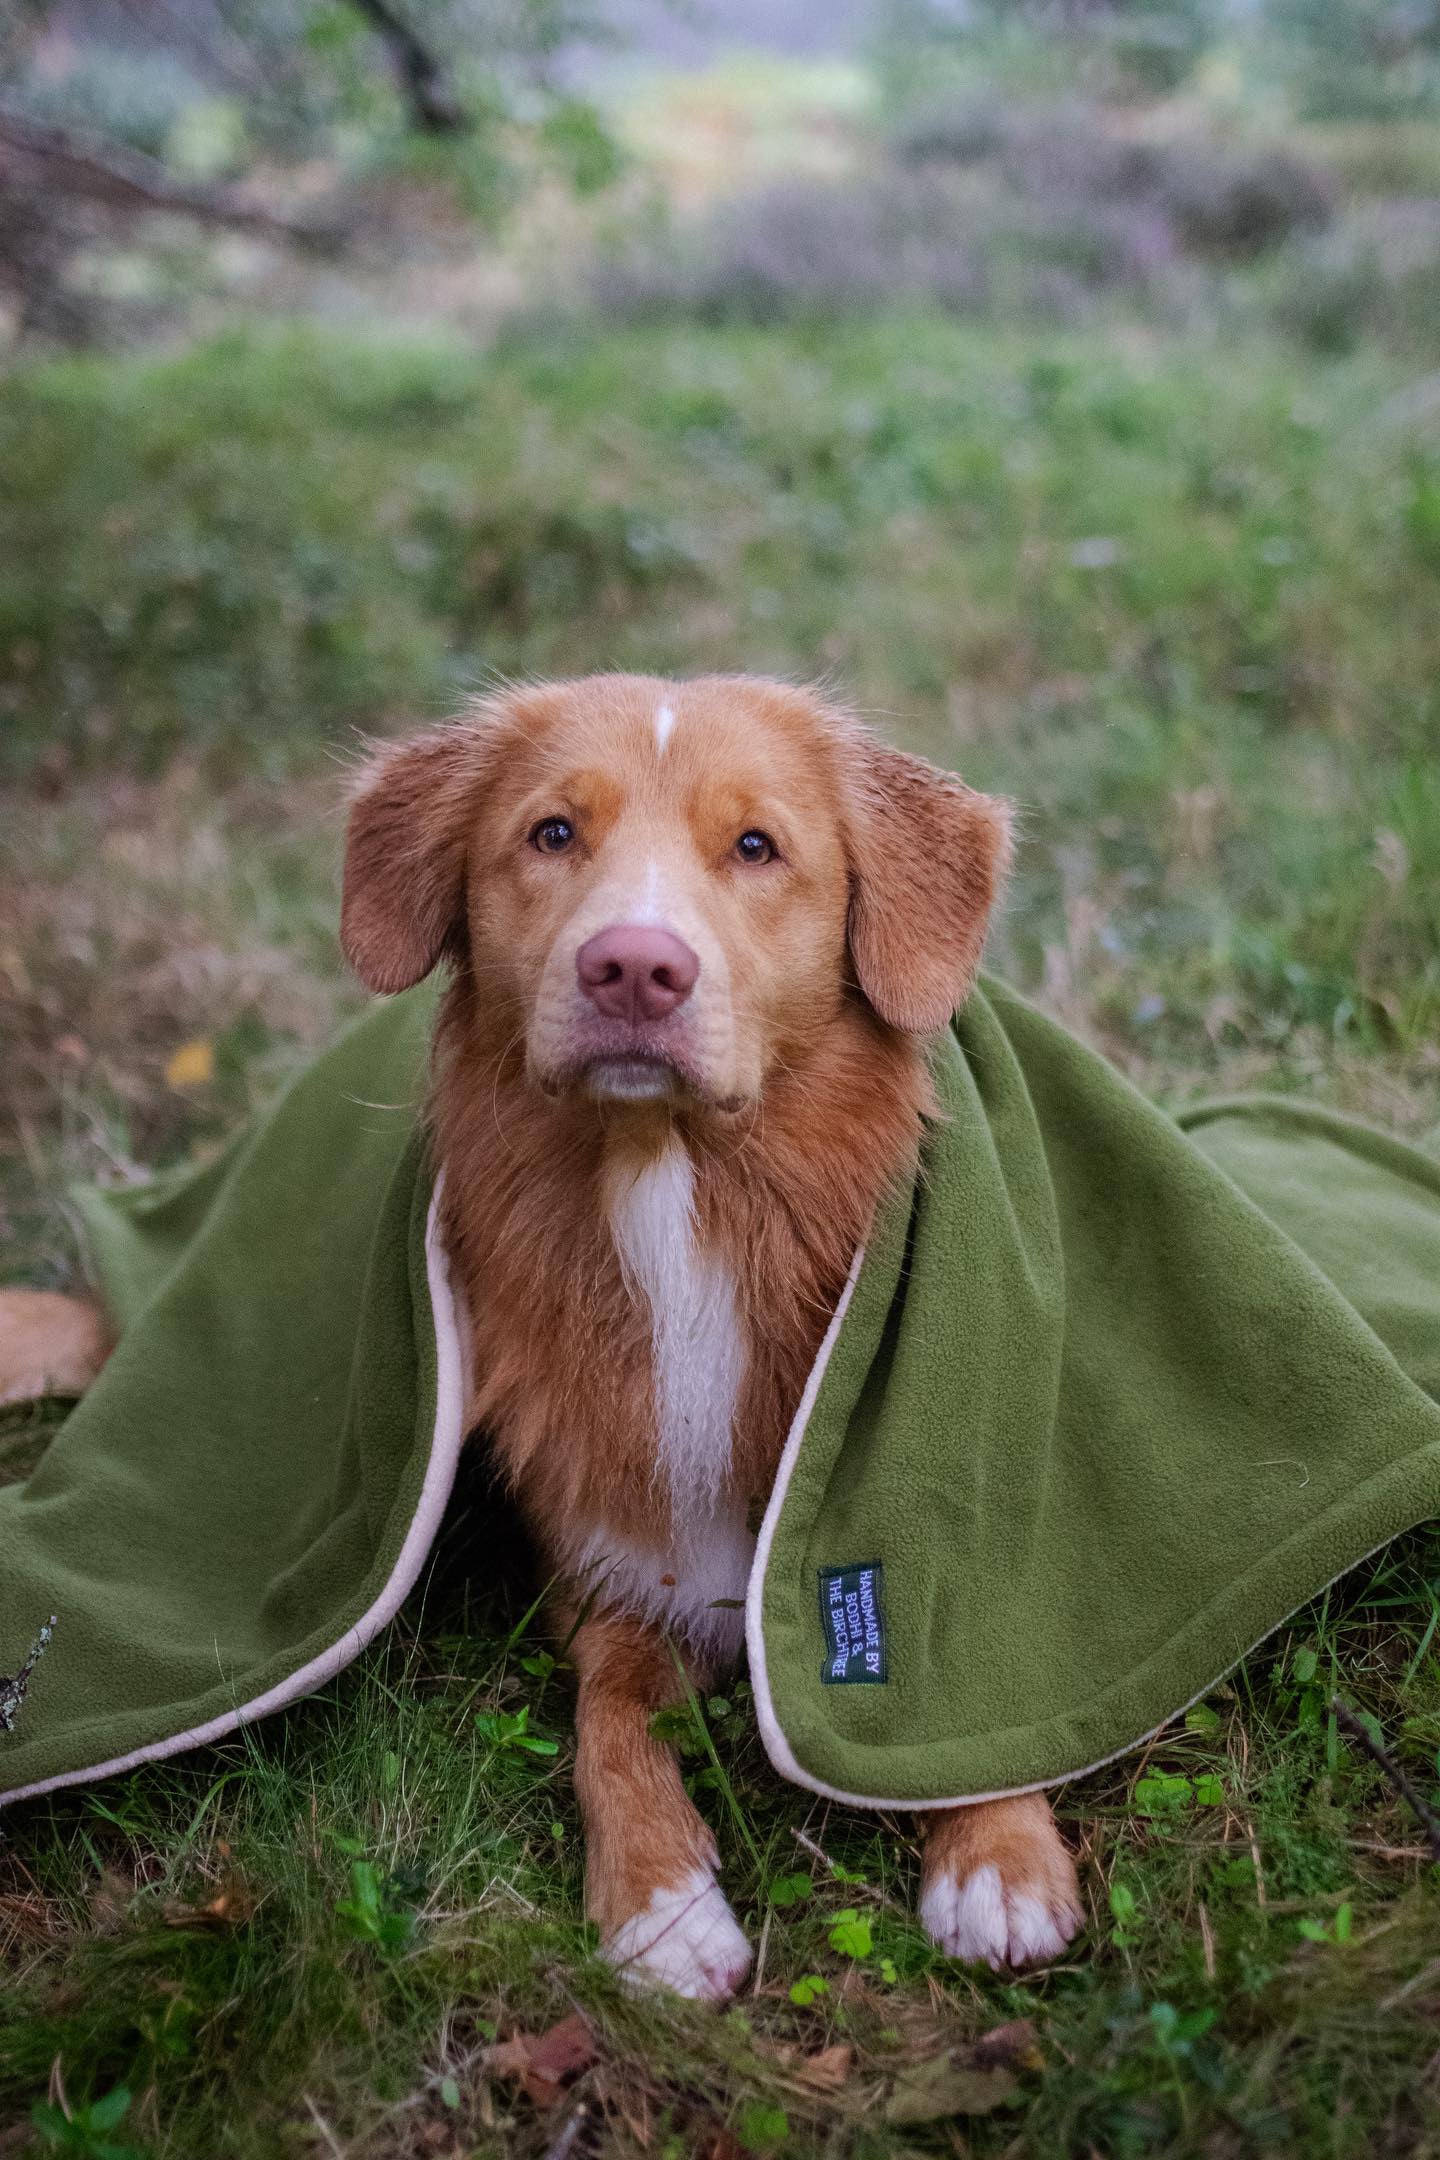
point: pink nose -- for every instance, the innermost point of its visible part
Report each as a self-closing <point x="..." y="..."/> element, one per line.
<point x="633" y="972"/>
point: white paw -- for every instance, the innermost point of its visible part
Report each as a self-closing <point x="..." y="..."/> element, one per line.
<point x="686" y="1939"/>
<point x="983" y="1922"/>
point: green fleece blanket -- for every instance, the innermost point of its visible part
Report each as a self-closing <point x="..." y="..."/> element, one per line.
<point x="1106" y="1398"/>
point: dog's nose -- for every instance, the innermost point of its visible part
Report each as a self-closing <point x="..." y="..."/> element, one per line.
<point x="633" y="972"/>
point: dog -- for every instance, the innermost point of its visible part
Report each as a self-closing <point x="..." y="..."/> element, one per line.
<point x="697" y="935"/>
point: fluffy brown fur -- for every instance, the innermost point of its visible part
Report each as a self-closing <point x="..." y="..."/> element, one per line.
<point x="809" y="1101"/>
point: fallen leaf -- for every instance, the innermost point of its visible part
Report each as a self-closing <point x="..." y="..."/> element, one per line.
<point x="948" y="2085"/>
<point x="827" y="2070"/>
<point x="1009" y="2047"/>
<point x="718" y="2142"/>
<point x="231" y="1906"/>
<point x="543" y="2064"/>
<point x="193" y="1065"/>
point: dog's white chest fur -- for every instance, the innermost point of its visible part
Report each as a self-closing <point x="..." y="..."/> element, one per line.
<point x="698" y="1364"/>
<point x="699" y="1349"/>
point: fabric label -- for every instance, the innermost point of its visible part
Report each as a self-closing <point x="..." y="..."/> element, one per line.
<point x="852" y="1618"/>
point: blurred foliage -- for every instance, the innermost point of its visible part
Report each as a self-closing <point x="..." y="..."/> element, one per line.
<point x="1366" y="59"/>
<point x="1037" y="212"/>
<point x="1111" y="48"/>
<point x="1128" y="583"/>
<point x="465" y="93"/>
<point x="1339" y="58"/>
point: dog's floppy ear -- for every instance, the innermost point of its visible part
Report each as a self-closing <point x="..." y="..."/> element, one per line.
<point x="928" y="856"/>
<point x="404" y="898"/>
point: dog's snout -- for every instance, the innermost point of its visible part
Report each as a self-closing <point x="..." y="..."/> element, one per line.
<point x="635" y="972"/>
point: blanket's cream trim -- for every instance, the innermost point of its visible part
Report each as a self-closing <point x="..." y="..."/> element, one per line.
<point x="451" y="1394"/>
<point x="778" y="1748"/>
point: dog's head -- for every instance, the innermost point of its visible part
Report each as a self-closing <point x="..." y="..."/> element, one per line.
<point x="669" y="889"/>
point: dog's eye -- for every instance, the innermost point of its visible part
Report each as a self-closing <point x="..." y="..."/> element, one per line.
<point x="754" y="847"/>
<point x="552" y="835"/>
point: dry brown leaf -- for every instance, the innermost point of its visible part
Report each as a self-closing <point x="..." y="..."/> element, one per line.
<point x="193" y="1065"/>
<point x="948" y="2085"/>
<point x="543" y="2064"/>
<point x="966" y="2078"/>
<point x="827" y="2070"/>
<point x="1011" y="2047"/>
<point x="718" y="2142"/>
<point x="231" y="1906"/>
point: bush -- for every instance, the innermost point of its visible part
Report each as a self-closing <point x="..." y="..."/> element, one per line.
<point x="802" y="247"/>
<point x="1230" y="201"/>
<point x="1030" y="213"/>
<point x="1234" y="199"/>
<point x="1376" y="277"/>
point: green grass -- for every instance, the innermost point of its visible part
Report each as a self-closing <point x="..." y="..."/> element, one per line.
<point x="1177" y="598"/>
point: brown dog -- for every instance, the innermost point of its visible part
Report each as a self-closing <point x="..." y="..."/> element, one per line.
<point x="697" y="935"/>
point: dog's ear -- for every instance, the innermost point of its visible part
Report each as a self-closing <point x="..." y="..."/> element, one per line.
<point x="928" y="857"/>
<point x="404" y="898"/>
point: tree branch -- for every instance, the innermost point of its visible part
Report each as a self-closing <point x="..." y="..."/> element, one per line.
<point x="1424" y="1814"/>
<point x="431" y="95"/>
<point x="125" y="179"/>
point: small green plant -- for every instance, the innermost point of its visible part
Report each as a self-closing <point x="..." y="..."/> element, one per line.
<point x="508" y="1732"/>
<point x="1305" y="1689"/>
<point x="787" y="1890"/>
<point x="851" y="1934"/>
<point x="761" y="2128"/>
<point x="374" y="1913"/>
<point x="1339" y="1931"/>
<point x="1175" y="2032"/>
<point x="1123" y="1911"/>
<point x="1165" y="1794"/>
<point x="86" y="2130"/>
<point x="808" y="1989"/>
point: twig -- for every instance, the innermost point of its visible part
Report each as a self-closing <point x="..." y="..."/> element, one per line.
<point x="1254" y="1844"/>
<point x="763" y="1948"/>
<point x="432" y="98"/>
<point x="1423" y="1978"/>
<point x="1424" y="1814"/>
<point x="324" y="2128"/>
<point x="818" y="1852"/>
<point x="1207" y="1941"/>
<point x="564" y="2144"/>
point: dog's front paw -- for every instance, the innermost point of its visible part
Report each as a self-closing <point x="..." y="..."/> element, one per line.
<point x="686" y="1939"/>
<point x="998" y="1886"/>
<point x="987" y="1920"/>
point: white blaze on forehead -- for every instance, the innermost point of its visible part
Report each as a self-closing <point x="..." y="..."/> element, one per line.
<point x="651" y="899"/>
<point x="664" y="726"/>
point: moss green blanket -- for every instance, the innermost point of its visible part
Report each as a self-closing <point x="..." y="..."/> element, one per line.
<point x="1106" y="1398"/>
